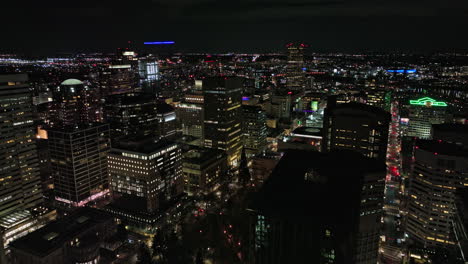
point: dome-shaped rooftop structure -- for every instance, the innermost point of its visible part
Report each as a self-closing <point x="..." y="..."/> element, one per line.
<point x="71" y="82"/>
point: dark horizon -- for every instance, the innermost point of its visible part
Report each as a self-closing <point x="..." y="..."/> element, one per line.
<point x="242" y="26"/>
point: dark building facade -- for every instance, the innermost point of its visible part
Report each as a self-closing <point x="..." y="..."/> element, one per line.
<point x="131" y="114"/>
<point x="307" y="212"/>
<point x="357" y="127"/>
<point x="79" y="163"/>
<point x="76" y="238"/>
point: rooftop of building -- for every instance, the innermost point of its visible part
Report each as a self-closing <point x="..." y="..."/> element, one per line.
<point x="442" y="148"/>
<point x="131" y="98"/>
<point x="374" y="110"/>
<point x="72" y="82"/>
<point x="450" y="127"/>
<point x="146" y="145"/>
<point x="76" y="128"/>
<point x="51" y="237"/>
<point x="203" y="155"/>
<point x="163" y="108"/>
<point x="308" y="131"/>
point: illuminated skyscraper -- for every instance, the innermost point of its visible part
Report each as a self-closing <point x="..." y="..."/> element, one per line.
<point x="20" y="183"/>
<point x="423" y="113"/>
<point x="295" y="77"/>
<point x="439" y="169"/>
<point x="121" y="76"/>
<point x="78" y="146"/>
<point x="222" y="122"/>
<point x="254" y="129"/>
<point x="358" y="127"/>
<point x="73" y="103"/>
<point x="149" y="74"/>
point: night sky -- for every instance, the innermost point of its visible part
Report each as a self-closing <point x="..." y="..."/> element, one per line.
<point x="45" y="27"/>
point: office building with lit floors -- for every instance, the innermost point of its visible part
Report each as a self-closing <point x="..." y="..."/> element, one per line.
<point x="423" y="113"/>
<point x="73" y="102"/>
<point x="358" y="127"/>
<point x="146" y="178"/>
<point x="190" y="115"/>
<point x="307" y="212"/>
<point x="204" y="170"/>
<point x="167" y="124"/>
<point x="254" y="129"/>
<point x="295" y="76"/>
<point x="78" y="157"/>
<point x="21" y="198"/>
<point x="439" y="169"/>
<point x="222" y="122"/>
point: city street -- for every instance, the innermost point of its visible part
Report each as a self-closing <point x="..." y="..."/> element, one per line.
<point x="389" y="249"/>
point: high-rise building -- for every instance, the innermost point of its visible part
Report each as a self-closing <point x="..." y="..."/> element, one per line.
<point x="20" y="183"/>
<point x="423" y="113"/>
<point x="78" y="159"/>
<point x="379" y="98"/>
<point x="148" y="69"/>
<point x="280" y="105"/>
<point x="439" y="169"/>
<point x="295" y="77"/>
<point x="204" y="169"/>
<point x="146" y="176"/>
<point x="222" y="122"/>
<point x="297" y="215"/>
<point x="167" y="124"/>
<point x="73" y="103"/>
<point x="117" y="78"/>
<point x="358" y="127"/>
<point x="254" y="129"/>
<point x="131" y="114"/>
<point x="190" y="115"/>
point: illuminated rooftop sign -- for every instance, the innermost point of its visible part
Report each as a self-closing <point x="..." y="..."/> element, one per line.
<point x="402" y="71"/>
<point x="159" y="42"/>
<point x="427" y="101"/>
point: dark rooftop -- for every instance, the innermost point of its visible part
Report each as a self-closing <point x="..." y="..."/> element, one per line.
<point x="442" y="148"/>
<point x="51" y="237"/>
<point x="288" y="194"/>
<point x="163" y="108"/>
<point x="145" y="146"/>
<point x="457" y="128"/>
<point x="202" y="155"/>
<point x="363" y="107"/>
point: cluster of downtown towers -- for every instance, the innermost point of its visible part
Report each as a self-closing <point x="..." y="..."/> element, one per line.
<point x="317" y="189"/>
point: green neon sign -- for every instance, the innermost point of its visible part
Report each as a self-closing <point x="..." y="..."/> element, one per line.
<point x="427" y="101"/>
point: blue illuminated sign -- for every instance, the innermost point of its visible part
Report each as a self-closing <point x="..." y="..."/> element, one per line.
<point x="402" y="71"/>
<point x="159" y="42"/>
